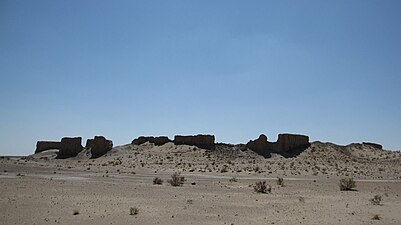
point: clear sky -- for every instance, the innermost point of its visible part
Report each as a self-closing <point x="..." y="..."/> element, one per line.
<point x="235" y="69"/>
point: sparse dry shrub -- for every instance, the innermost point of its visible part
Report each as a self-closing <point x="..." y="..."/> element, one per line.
<point x="347" y="184"/>
<point x="176" y="180"/>
<point x="376" y="200"/>
<point x="133" y="211"/>
<point x="157" y="180"/>
<point x="280" y="181"/>
<point x="376" y="217"/>
<point x="233" y="179"/>
<point x="262" y="187"/>
<point x="224" y="169"/>
<point x="256" y="169"/>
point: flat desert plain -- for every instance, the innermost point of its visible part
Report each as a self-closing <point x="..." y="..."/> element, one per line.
<point x="218" y="187"/>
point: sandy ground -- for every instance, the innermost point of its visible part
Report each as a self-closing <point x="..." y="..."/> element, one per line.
<point x="42" y="190"/>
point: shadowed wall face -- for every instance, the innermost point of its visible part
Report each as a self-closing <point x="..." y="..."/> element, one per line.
<point x="286" y="142"/>
<point x="99" y="146"/>
<point x="155" y="140"/>
<point x="47" y="145"/>
<point x="287" y="145"/>
<point x="200" y="141"/>
<point x="70" y="147"/>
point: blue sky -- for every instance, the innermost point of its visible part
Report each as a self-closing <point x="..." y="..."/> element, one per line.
<point x="327" y="69"/>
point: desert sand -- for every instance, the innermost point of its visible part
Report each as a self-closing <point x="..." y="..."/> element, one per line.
<point x="218" y="187"/>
